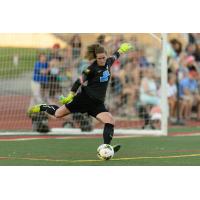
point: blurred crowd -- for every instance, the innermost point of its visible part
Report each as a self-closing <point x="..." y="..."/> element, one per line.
<point x="54" y="72"/>
<point x="135" y="80"/>
<point x="184" y="79"/>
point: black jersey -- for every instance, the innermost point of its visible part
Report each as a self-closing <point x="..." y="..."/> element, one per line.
<point x="97" y="78"/>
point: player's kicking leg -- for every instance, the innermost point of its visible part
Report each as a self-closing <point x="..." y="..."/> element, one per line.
<point x="35" y="108"/>
<point x="108" y="131"/>
<point x="54" y="110"/>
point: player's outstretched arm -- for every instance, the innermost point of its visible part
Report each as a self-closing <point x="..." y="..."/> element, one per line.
<point x="124" y="48"/>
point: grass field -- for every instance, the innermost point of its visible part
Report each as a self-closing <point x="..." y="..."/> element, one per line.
<point x="137" y="151"/>
<point x="27" y="58"/>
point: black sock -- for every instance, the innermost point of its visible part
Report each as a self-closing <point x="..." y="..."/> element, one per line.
<point x="108" y="133"/>
<point x="50" y="109"/>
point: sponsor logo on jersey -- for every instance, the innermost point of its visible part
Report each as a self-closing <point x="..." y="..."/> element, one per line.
<point x="105" y="76"/>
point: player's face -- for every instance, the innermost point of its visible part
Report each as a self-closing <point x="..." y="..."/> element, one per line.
<point x="101" y="59"/>
<point x="42" y="58"/>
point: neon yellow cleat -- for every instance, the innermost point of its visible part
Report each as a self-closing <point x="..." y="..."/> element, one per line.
<point x="35" y="109"/>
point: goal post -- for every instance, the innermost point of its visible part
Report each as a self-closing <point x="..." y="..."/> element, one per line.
<point x="164" y="73"/>
<point x="128" y="99"/>
<point x="157" y="42"/>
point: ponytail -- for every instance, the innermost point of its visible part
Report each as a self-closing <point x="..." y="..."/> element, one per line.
<point x="93" y="50"/>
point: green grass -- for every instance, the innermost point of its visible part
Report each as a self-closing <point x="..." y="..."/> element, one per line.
<point x="184" y="129"/>
<point x="27" y="58"/>
<point x="139" y="151"/>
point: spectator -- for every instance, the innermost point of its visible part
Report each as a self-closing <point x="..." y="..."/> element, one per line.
<point x="170" y="51"/>
<point x="191" y="49"/>
<point x="67" y="64"/>
<point x="189" y="94"/>
<point x="54" y="79"/>
<point x="191" y="38"/>
<point x="143" y="60"/>
<point x="172" y="96"/>
<point x="182" y="68"/>
<point x="39" y="80"/>
<point x="155" y="117"/>
<point x="148" y="88"/>
<point x="177" y="46"/>
<point x="101" y="39"/>
<point x="190" y="62"/>
<point x="173" y="65"/>
<point x="76" y="45"/>
<point x="197" y="53"/>
<point x="55" y="53"/>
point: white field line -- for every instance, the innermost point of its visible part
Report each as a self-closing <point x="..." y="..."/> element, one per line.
<point x="76" y="131"/>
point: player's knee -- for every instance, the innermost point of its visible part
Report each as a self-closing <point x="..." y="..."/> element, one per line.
<point x="111" y="121"/>
<point x="61" y="112"/>
<point x="57" y="114"/>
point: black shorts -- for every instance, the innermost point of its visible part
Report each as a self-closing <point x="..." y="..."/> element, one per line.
<point x="82" y="103"/>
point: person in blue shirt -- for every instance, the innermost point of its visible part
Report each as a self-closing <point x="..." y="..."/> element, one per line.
<point x="189" y="95"/>
<point x="188" y="85"/>
<point x="39" y="80"/>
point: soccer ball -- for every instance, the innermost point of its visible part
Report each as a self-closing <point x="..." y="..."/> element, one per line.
<point x="105" y="152"/>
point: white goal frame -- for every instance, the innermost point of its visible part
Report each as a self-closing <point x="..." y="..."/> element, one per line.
<point x="163" y="131"/>
<point x="164" y="108"/>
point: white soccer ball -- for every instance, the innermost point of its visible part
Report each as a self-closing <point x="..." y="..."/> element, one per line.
<point x="105" y="152"/>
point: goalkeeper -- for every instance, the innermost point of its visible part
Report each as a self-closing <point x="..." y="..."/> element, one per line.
<point x="94" y="82"/>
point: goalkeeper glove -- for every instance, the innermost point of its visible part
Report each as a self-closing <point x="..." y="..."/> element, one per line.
<point x="67" y="99"/>
<point x="125" y="47"/>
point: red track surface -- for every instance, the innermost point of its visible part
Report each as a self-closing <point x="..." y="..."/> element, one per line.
<point x="13" y="117"/>
<point x="30" y="137"/>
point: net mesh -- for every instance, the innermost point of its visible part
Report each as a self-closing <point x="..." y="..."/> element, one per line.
<point x="38" y="68"/>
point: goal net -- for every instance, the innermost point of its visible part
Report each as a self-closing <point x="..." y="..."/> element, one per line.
<point x="38" y="68"/>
